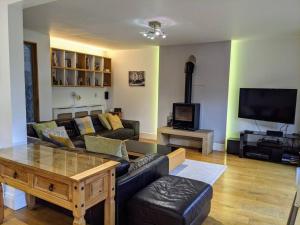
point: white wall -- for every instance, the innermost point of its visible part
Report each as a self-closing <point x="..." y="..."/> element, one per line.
<point x="17" y="78"/>
<point x="44" y="74"/>
<point x="5" y="102"/>
<point x="137" y="103"/>
<point x="62" y="97"/>
<point x="12" y="86"/>
<point x="210" y="83"/>
<point x="265" y="63"/>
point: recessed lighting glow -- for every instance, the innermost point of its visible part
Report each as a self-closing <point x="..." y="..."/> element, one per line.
<point x="233" y="91"/>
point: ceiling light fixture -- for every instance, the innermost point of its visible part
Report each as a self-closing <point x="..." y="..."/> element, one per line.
<point x="154" y="31"/>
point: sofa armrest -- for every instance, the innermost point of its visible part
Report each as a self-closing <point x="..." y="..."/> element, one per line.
<point x="140" y="174"/>
<point x="132" y="124"/>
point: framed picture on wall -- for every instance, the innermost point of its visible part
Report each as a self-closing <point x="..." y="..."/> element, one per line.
<point x="137" y="78"/>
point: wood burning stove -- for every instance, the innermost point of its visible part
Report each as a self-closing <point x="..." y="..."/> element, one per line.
<point x="186" y="115"/>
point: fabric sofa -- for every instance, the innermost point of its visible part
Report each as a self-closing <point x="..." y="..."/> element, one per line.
<point x="131" y="130"/>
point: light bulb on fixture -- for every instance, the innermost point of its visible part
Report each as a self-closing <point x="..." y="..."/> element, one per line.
<point x="154" y="31"/>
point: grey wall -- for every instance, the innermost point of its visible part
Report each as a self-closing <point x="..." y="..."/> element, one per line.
<point x="210" y="83"/>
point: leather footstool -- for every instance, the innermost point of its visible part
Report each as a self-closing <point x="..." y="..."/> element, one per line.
<point x="171" y="200"/>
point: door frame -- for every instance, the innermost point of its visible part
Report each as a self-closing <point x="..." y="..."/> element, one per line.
<point x="35" y="80"/>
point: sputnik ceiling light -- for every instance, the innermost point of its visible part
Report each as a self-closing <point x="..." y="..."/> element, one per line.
<point x="154" y="31"/>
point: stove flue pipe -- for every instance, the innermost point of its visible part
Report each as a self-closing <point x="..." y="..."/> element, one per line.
<point x="189" y="69"/>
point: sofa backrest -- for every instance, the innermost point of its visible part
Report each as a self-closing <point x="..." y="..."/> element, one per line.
<point x="30" y="131"/>
<point x="97" y="124"/>
<point x="70" y="127"/>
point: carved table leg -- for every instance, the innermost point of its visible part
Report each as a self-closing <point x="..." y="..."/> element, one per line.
<point x="79" y="204"/>
<point x="109" y="215"/>
<point x="79" y="221"/>
<point x="1" y="204"/>
<point x="30" y="200"/>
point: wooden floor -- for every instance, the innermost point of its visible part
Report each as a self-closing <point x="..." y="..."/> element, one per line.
<point x="250" y="192"/>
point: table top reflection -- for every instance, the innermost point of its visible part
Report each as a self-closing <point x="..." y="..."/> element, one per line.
<point x="58" y="161"/>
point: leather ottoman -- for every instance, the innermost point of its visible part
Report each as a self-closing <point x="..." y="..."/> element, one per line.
<point x="171" y="200"/>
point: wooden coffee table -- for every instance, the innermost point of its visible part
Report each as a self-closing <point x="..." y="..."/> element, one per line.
<point x="137" y="149"/>
<point x="72" y="180"/>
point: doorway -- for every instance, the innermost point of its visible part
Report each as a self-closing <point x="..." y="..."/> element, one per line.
<point x="31" y="82"/>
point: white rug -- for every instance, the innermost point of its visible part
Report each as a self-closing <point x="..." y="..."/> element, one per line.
<point x="197" y="170"/>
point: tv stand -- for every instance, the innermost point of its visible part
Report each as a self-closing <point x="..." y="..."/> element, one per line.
<point x="270" y="147"/>
<point x="200" y="139"/>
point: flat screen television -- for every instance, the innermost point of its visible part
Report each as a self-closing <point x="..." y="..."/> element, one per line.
<point x="274" y="105"/>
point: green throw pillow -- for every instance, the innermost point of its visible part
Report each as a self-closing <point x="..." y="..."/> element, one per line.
<point x="106" y="146"/>
<point x="41" y="127"/>
<point x="104" y="121"/>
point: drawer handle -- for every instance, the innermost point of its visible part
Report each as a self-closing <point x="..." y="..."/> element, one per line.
<point x="15" y="175"/>
<point x="51" y="187"/>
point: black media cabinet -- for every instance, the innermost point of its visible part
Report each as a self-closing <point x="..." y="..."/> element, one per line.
<point x="262" y="146"/>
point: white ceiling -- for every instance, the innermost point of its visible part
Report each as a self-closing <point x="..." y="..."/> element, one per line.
<point x="117" y="23"/>
<point x="31" y="3"/>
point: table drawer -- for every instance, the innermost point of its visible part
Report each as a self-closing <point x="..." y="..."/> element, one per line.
<point x="54" y="187"/>
<point x="15" y="173"/>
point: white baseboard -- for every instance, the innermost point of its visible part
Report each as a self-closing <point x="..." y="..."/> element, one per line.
<point x="149" y="136"/>
<point x="219" y="147"/>
<point x="14" y="198"/>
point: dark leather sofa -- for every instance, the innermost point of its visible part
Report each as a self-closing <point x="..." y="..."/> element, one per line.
<point x="131" y="177"/>
<point x="131" y="130"/>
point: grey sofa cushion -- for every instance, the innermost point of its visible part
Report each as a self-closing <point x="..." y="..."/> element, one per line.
<point x="121" y="134"/>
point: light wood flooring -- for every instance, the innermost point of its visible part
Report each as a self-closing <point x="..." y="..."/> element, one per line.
<point x="250" y="192"/>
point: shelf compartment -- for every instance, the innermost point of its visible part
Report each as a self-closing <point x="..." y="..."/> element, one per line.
<point x="106" y="65"/>
<point x="75" y="69"/>
<point x="70" y="60"/>
<point x="106" y="79"/>
<point x="81" y="78"/>
<point x="98" y="79"/>
<point x="57" y="58"/>
<point x="98" y="65"/>
<point x="80" y="61"/>
<point x="90" y="78"/>
<point x="58" y="76"/>
<point x="89" y="62"/>
<point x="70" y="76"/>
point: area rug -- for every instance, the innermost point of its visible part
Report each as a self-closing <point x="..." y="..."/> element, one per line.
<point x="197" y="170"/>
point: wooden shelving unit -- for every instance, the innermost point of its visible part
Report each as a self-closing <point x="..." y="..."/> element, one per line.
<point x="75" y="69"/>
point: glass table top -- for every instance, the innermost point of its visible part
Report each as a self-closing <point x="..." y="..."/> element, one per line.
<point x="147" y="148"/>
<point x="58" y="161"/>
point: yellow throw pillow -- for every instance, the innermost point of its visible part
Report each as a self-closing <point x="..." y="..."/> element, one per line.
<point x="85" y="125"/>
<point x="66" y="141"/>
<point x="114" y="121"/>
<point x="104" y="121"/>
